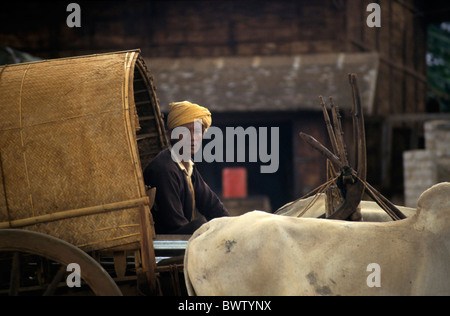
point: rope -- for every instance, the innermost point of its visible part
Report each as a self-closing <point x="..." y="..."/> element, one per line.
<point x="380" y="202"/>
<point x="320" y="189"/>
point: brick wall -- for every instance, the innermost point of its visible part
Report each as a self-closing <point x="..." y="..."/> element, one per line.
<point x="176" y="29"/>
<point x="167" y="28"/>
<point x="424" y="168"/>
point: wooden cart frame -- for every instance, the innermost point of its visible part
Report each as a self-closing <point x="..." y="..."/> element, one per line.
<point x="75" y="135"/>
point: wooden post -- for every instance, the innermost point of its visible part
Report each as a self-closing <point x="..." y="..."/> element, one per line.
<point x="147" y="250"/>
<point x="75" y="213"/>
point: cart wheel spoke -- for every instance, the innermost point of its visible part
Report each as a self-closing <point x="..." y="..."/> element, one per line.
<point x="14" y="282"/>
<point x="52" y="286"/>
<point x="34" y="245"/>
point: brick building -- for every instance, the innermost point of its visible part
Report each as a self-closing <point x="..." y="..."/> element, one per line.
<point x="270" y="60"/>
<point x="425" y="167"/>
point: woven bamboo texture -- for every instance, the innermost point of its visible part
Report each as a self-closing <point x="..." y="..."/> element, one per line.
<point x="68" y="141"/>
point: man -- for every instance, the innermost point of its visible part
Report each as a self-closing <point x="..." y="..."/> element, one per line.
<point x="180" y="189"/>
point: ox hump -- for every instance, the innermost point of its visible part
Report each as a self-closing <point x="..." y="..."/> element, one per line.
<point x="433" y="211"/>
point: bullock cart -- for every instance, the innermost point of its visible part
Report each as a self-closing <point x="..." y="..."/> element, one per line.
<point x="75" y="134"/>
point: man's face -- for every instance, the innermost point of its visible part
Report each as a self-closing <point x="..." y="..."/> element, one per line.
<point x="196" y="133"/>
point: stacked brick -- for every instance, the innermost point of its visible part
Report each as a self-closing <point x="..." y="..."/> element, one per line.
<point x="424" y="168"/>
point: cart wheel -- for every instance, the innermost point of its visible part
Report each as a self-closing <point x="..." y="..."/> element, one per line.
<point x="34" y="249"/>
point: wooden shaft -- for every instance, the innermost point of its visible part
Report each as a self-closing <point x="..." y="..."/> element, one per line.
<point x="329" y="127"/>
<point x="321" y="148"/>
<point x="360" y="133"/>
<point x="75" y="213"/>
<point x="339" y="133"/>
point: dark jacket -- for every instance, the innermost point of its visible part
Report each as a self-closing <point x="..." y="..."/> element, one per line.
<point x="173" y="197"/>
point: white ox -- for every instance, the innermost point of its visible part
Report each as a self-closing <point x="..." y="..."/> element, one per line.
<point x="265" y="254"/>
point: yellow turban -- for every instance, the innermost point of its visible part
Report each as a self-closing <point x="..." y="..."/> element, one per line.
<point x="186" y="112"/>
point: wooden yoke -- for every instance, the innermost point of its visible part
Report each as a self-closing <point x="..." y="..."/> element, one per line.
<point x="353" y="185"/>
<point x="350" y="181"/>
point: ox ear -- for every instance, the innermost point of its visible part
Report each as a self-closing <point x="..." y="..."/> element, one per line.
<point x="436" y="199"/>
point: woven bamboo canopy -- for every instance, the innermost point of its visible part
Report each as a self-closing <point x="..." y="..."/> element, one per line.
<point x="75" y="134"/>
